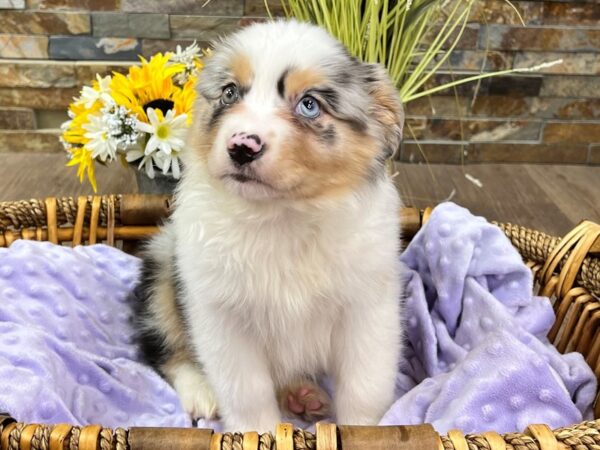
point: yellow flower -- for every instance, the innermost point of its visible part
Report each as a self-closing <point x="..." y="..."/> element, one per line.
<point x="83" y="157"/>
<point x="148" y="85"/>
<point x="184" y="99"/>
<point x="124" y="94"/>
<point x="74" y="133"/>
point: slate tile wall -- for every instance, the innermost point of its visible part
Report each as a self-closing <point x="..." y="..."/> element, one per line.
<point x="50" y="48"/>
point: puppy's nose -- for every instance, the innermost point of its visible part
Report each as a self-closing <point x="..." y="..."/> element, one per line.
<point x="244" y="148"/>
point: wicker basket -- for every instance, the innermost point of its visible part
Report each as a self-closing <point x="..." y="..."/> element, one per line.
<point x="567" y="270"/>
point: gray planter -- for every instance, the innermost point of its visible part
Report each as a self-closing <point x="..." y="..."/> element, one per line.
<point x="160" y="184"/>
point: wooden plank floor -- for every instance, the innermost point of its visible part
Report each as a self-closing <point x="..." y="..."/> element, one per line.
<point x="545" y="197"/>
<point x="25" y="176"/>
<point x="549" y="198"/>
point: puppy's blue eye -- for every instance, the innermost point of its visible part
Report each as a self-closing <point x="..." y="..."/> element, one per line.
<point x="308" y="107"/>
<point x="230" y="94"/>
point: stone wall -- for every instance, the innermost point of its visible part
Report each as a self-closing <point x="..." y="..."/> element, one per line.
<point x="49" y="48"/>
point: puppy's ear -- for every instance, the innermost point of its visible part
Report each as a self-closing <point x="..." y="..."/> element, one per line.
<point x="385" y="108"/>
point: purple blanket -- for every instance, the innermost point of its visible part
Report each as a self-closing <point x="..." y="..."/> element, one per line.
<point x="476" y="354"/>
<point x="66" y="353"/>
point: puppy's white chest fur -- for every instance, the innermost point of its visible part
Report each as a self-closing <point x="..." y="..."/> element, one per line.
<point x="284" y="277"/>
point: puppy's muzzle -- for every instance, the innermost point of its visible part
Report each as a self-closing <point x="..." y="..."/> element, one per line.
<point x="244" y="148"/>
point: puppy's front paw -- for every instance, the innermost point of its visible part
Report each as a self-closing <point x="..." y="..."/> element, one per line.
<point x="306" y="400"/>
<point x="196" y="396"/>
<point x="199" y="402"/>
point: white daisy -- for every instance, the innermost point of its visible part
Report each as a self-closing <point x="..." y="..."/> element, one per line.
<point x="100" y="143"/>
<point x="168" y="163"/>
<point x="146" y="162"/>
<point x="90" y="95"/>
<point x="186" y="55"/>
<point x="167" y="133"/>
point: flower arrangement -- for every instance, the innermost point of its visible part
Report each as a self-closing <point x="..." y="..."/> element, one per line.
<point x="141" y="117"/>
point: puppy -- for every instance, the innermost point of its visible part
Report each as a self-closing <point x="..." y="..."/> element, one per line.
<point x="279" y="263"/>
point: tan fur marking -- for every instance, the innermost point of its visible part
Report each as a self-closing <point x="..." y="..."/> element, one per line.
<point x="176" y="359"/>
<point x="163" y="305"/>
<point x="173" y="364"/>
<point x="298" y="81"/>
<point x="200" y="138"/>
<point x="388" y="111"/>
<point x="386" y="104"/>
<point x="242" y="69"/>
<point x="316" y="170"/>
<point x="168" y="320"/>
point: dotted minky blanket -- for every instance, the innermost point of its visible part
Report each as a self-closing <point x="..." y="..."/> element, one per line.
<point x="66" y="348"/>
<point x="477" y="356"/>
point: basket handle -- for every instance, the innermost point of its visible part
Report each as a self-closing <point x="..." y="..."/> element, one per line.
<point x="568" y="274"/>
<point x="581" y="241"/>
